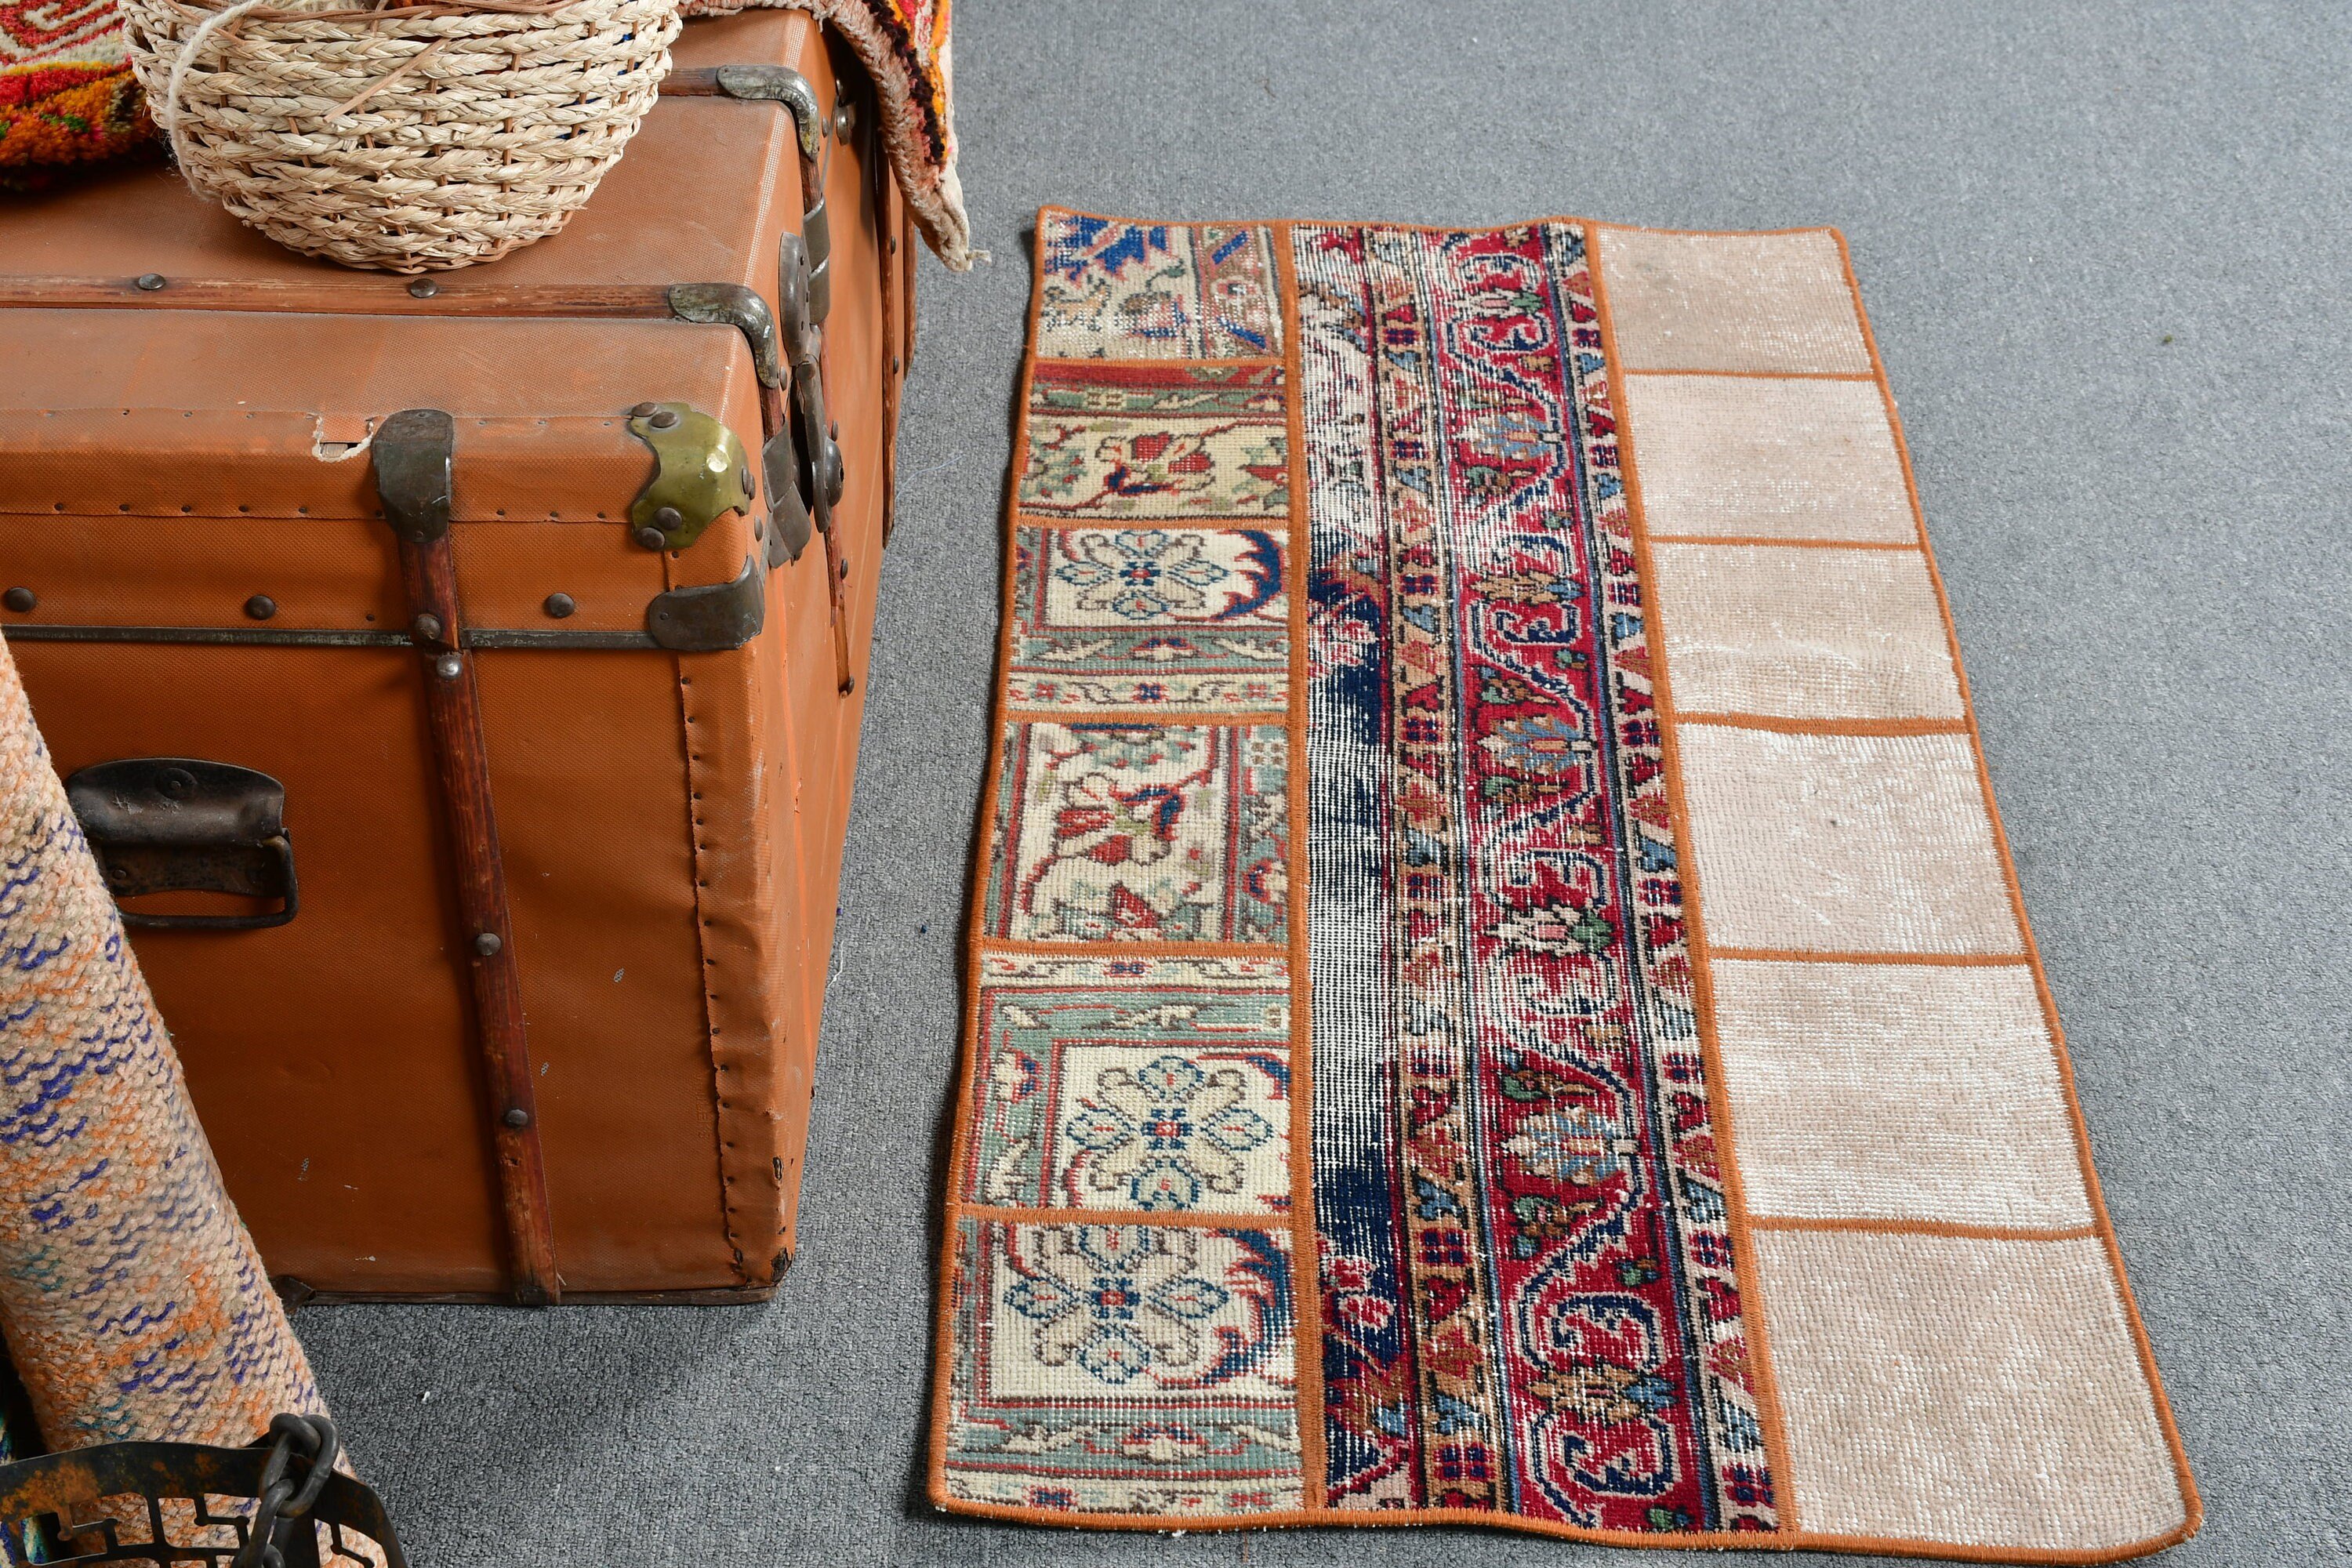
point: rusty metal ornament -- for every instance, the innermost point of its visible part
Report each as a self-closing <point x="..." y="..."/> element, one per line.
<point x="289" y="1476"/>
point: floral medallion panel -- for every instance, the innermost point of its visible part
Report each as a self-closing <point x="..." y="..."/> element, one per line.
<point x="1126" y="1369"/>
<point x="1196" y="619"/>
<point x="1160" y="1085"/>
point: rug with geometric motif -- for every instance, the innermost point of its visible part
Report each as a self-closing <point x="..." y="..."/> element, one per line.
<point x="1497" y="990"/>
<point x="66" y="97"/>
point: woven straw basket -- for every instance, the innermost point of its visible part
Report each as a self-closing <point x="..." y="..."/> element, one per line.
<point x="407" y="139"/>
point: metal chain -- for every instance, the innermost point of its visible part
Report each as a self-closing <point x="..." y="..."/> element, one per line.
<point x="312" y="1437"/>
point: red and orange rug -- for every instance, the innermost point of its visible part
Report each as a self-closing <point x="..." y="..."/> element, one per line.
<point x="1498" y="992"/>
<point x="66" y="97"/>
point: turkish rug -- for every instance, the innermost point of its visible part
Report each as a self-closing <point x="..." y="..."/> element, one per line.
<point x="135" y="1305"/>
<point x="1498" y="993"/>
<point x="66" y="97"/>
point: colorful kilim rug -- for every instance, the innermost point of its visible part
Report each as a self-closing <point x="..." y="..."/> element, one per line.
<point x="1498" y="995"/>
<point x="66" y="97"/>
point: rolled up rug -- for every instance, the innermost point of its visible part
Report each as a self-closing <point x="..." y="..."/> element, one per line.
<point x="134" y="1303"/>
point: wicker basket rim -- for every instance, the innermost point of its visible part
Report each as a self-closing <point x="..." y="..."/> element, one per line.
<point x="441" y="175"/>
<point x="393" y="11"/>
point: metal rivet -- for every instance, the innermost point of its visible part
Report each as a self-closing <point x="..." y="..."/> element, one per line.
<point x="177" y="783"/>
<point x="560" y="606"/>
<point x="117" y="874"/>
<point x="893" y="245"/>
<point x="844" y="116"/>
<point x="517" y="1116"/>
<point x="448" y="667"/>
<point x="894" y="364"/>
<point x="488" y="944"/>
<point x="833" y="430"/>
<point x="20" y="599"/>
<point x="423" y="289"/>
<point x="426" y="627"/>
<point x="651" y="538"/>
<point x="261" y="606"/>
<point x="643" y="411"/>
<point x="662" y="418"/>
<point x="759" y="528"/>
<point x="743" y="478"/>
<point x="667" y="518"/>
<point x="150" y="281"/>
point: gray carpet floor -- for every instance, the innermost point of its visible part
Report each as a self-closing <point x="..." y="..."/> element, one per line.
<point x="2103" y="247"/>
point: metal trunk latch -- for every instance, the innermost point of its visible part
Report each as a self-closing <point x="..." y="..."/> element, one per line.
<point x="170" y="825"/>
<point x="804" y="345"/>
<point x="789" y="499"/>
<point x="819" y="452"/>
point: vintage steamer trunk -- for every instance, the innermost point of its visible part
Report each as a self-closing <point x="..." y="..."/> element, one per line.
<point x="478" y="659"/>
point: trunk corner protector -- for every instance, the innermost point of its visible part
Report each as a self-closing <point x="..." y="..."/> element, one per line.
<point x="717" y="618"/>
<point x="780" y="84"/>
<point x="738" y="306"/>
<point x="700" y="474"/>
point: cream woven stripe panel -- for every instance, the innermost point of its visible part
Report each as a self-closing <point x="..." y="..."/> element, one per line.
<point x="1944" y="1314"/>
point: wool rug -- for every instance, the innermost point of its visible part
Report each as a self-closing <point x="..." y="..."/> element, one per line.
<point x="66" y="97"/>
<point x="1497" y="992"/>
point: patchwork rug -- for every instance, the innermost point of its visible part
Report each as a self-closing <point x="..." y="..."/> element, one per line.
<point x="1497" y="992"/>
